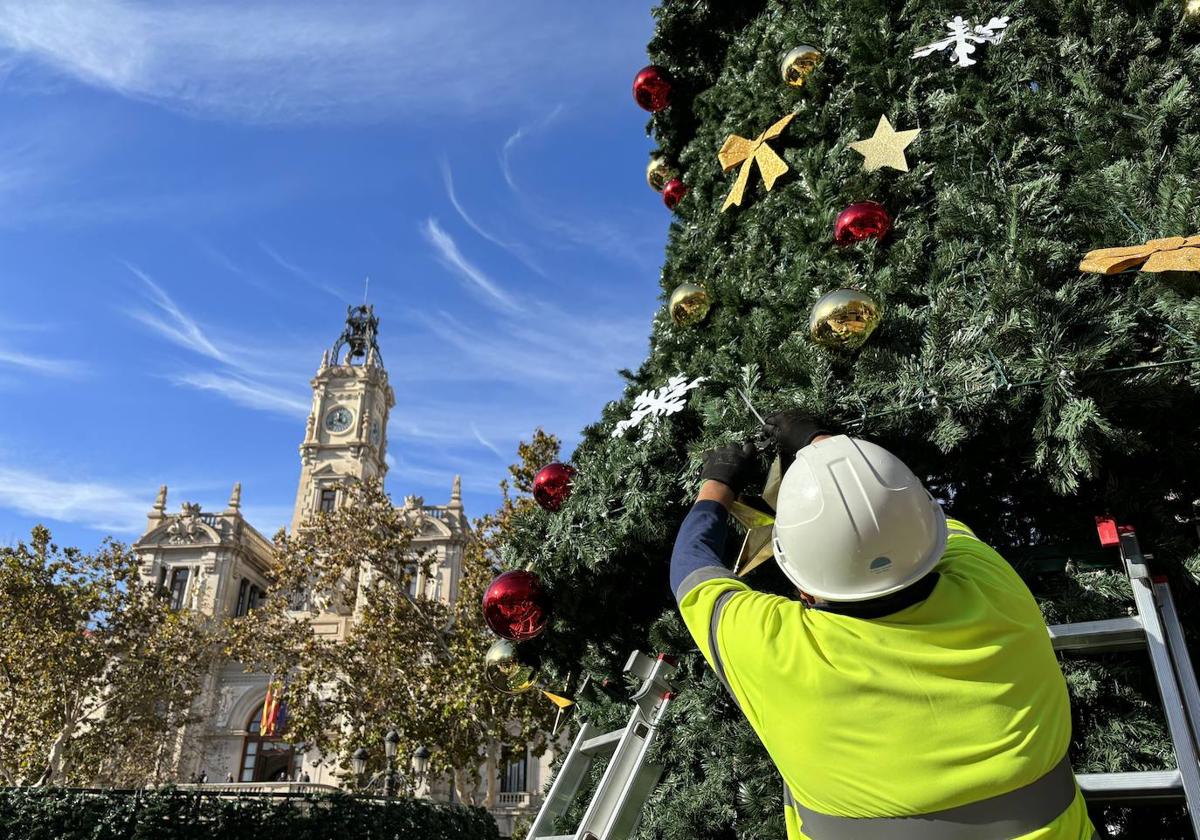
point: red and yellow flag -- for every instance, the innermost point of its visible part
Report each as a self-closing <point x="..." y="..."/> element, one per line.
<point x="272" y="708"/>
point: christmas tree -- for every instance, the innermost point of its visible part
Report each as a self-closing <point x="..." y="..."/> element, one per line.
<point x="1029" y="394"/>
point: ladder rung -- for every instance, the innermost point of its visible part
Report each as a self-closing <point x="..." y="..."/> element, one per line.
<point x="1097" y="636"/>
<point x="1131" y="787"/>
<point x="602" y="744"/>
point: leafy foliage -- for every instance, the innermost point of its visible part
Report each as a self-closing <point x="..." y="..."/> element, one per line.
<point x="96" y="672"/>
<point x="403" y="660"/>
<point x="992" y="374"/>
<point x="62" y="814"/>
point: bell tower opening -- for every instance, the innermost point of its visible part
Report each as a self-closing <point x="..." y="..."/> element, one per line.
<point x="346" y="434"/>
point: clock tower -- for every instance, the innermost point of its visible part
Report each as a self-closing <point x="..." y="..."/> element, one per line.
<point x="346" y="435"/>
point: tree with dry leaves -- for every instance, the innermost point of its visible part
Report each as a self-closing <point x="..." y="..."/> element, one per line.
<point x="97" y="673"/>
<point x="405" y="661"/>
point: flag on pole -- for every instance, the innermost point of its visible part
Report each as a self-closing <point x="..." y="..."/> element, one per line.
<point x="273" y="714"/>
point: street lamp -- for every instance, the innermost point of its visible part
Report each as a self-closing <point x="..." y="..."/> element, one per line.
<point x="390" y="741"/>
<point x="421" y="760"/>
<point x="420" y="765"/>
<point x="358" y="760"/>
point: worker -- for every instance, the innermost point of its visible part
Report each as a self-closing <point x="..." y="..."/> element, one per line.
<point x="911" y="692"/>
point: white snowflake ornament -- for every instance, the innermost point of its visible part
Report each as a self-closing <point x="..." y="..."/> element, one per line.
<point x="655" y="404"/>
<point x="963" y="37"/>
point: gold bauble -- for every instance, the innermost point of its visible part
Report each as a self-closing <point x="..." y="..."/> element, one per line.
<point x="844" y="318"/>
<point x="658" y="172"/>
<point x="798" y="63"/>
<point x="1191" y="11"/>
<point x="689" y="305"/>
<point x="507" y="670"/>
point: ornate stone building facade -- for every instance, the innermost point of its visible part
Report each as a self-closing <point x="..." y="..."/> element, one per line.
<point x="217" y="563"/>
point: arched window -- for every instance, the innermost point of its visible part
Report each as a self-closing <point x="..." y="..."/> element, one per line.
<point x="264" y="759"/>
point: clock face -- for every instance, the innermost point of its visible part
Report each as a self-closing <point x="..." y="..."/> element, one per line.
<point x="375" y="432"/>
<point x="339" y="419"/>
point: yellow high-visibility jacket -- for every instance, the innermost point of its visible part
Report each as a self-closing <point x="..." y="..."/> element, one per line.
<point x="945" y="720"/>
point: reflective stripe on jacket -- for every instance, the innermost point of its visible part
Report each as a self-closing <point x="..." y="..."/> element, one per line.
<point x="945" y="720"/>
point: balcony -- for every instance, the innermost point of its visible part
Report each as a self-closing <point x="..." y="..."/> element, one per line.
<point x="518" y="800"/>
<point x="259" y="788"/>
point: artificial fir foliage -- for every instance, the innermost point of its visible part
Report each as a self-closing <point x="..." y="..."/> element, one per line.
<point x="1029" y="395"/>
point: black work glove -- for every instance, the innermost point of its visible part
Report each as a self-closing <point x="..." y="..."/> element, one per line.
<point x="792" y="431"/>
<point x="734" y="465"/>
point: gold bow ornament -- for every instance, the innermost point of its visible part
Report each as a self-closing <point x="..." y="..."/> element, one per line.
<point x="1175" y="253"/>
<point x="747" y="152"/>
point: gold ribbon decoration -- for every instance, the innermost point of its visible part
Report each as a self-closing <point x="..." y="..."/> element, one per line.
<point x="757" y="516"/>
<point x="1175" y="253"/>
<point x="748" y="152"/>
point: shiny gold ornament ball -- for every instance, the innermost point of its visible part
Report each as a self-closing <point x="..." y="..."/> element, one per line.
<point x="658" y="172"/>
<point x="507" y="671"/>
<point x="798" y="63"/>
<point x="844" y="318"/>
<point x="689" y="305"/>
<point x="1191" y="11"/>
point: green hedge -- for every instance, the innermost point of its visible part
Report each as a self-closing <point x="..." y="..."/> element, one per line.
<point x="66" y="814"/>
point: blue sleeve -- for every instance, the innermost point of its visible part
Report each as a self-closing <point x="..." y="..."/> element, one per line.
<point x="699" y="547"/>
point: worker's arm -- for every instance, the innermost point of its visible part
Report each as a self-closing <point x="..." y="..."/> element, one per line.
<point x="701" y="541"/>
<point x="703" y="585"/>
<point x="700" y="544"/>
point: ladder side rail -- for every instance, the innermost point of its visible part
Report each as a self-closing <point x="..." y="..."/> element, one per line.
<point x="612" y="798"/>
<point x="598" y="813"/>
<point x="1180" y="656"/>
<point x="565" y="786"/>
<point x="1164" y="673"/>
<point x="638" y="785"/>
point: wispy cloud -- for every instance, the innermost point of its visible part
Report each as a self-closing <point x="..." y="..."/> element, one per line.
<point x="487" y="443"/>
<point x="64" y="368"/>
<point x="246" y="392"/>
<point x="448" y="180"/>
<point x="98" y="505"/>
<point x="596" y="234"/>
<point x="553" y="347"/>
<point x="305" y="275"/>
<point x="236" y="379"/>
<point x="516" y="137"/>
<point x="176" y="326"/>
<point x="514" y="248"/>
<point x="307" y="60"/>
<point x="439" y="474"/>
<point x="452" y="257"/>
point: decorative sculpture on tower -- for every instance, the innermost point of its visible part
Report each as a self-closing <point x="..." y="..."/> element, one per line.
<point x="360" y="335"/>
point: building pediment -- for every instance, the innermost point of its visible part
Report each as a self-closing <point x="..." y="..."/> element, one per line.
<point x="189" y="527"/>
<point x="431" y="528"/>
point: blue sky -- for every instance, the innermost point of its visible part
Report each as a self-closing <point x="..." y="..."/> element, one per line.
<point x="192" y="192"/>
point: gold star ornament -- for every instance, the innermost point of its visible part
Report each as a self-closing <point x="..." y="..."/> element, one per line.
<point x="885" y="147"/>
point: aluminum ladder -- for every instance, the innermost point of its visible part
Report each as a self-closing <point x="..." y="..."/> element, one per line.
<point x="1156" y="628"/>
<point x="616" y="806"/>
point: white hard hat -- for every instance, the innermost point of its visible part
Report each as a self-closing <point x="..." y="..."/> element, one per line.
<point x="854" y="523"/>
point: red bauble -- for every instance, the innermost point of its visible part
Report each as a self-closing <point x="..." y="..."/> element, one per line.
<point x="552" y="485"/>
<point x="652" y="88"/>
<point x="864" y="220"/>
<point x="673" y="193"/>
<point x="516" y="606"/>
